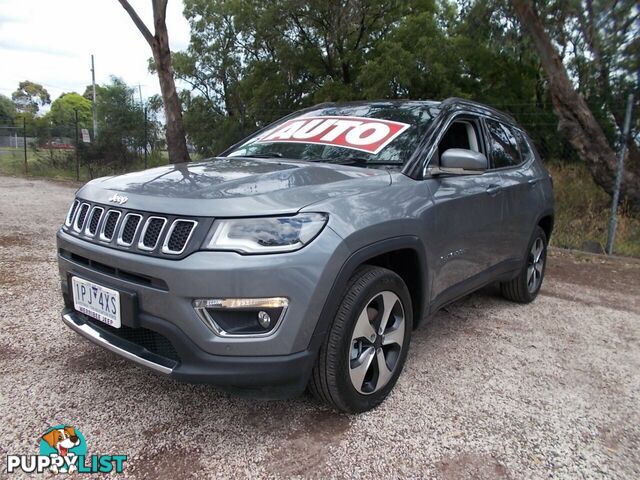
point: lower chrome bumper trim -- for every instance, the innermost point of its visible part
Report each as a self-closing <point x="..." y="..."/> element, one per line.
<point x="97" y="337"/>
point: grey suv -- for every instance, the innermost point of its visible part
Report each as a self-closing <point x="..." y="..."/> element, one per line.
<point x="306" y="254"/>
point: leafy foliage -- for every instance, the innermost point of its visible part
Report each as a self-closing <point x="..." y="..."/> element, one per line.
<point x="121" y="123"/>
<point x="251" y="62"/>
<point x="62" y="115"/>
<point x="7" y="111"/>
<point x="30" y="96"/>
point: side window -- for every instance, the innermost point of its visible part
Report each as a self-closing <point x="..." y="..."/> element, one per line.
<point x="504" y="148"/>
<point x="460" y="134"/>
<point x="524" y="146"/>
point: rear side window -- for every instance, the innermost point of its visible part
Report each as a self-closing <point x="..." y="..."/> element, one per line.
<point x="504" y="147"/>
<point x="526" y="152"/>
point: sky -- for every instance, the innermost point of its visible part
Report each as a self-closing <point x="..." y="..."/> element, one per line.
<point x="51" y="41"/>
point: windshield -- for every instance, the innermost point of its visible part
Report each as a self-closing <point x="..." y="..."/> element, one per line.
<point x="369" y="135"/>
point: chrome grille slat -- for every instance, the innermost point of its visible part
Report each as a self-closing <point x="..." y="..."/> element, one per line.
<point x="81" y="217"/>
<point x="94" y="221"/>
<point x="72" y="212"/>
<point x="151" y="233"/>
<point x="130" y="230"/>
<point x="109" y="225"/>
<point x="178" y="237"/>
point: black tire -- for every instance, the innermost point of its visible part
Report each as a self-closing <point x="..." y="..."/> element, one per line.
<point x="519" y="289"/>
<point x="331" y="377"/>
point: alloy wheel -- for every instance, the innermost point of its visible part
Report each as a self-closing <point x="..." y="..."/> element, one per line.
<point x="376" y="343"/>
<point x="535" y="265"/>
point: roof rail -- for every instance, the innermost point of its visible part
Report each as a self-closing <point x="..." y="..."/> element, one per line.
<point x="464" y="101"/>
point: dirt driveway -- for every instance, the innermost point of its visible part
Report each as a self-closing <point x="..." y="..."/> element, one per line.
<point x="490" y="390"/>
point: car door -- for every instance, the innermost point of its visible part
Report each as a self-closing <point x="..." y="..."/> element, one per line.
<point x="467" y="215"/>
<point x="513" y="158"/>
<point x="523" y="194"/>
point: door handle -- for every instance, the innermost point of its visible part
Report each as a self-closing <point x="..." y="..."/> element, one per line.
<point x="494" y="189"/>
<point x="533" y="182"/>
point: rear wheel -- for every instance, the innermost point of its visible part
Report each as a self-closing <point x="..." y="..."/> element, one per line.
<point x="367" y="343"/>
<point x="525" y="287"/>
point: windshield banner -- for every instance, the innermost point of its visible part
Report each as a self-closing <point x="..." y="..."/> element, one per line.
<point x="369" y="135"/>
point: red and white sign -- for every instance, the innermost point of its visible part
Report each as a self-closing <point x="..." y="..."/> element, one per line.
<point x="369" y="135"/>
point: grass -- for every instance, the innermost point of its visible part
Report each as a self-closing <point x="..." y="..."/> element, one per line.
<point x="582" y="208"/>
<point x="61" y="164"/>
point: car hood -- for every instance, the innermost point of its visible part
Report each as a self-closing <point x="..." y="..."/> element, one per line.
<point x="226" y="187"/>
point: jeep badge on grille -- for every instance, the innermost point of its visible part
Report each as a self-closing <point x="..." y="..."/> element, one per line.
<point x="119" y="199"/>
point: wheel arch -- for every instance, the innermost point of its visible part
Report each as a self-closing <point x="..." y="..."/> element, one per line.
<point x="546" y="222"/>
<point x="403" y="255"/>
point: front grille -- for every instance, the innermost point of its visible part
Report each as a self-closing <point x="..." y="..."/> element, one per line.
<point x="110" y="223"/>
<point x="126" y="275"/>
<point x="129" y="228"/>
<point x="94" y="220"/>
<point x="143" y="337"/>
<point x="167" y="236"/>
<point x="178" y="236"/>
<point x="82" y="216"/>
<point x="151" y="233"/>
<point x="72" y="213"/>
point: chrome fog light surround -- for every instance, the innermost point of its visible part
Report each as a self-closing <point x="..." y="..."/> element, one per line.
<point x="204" y="308"/>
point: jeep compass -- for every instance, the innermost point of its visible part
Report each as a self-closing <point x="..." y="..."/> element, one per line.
<point x="305" y="255"/>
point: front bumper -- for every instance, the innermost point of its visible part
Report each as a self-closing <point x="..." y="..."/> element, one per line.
<point x="159" y="297"/>
<point x="276" y="375"/>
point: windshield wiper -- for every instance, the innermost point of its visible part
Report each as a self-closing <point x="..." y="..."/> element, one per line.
<point x="264" y="155"/>
<point x="344" y="160"/>
<point x="359" y="161"/>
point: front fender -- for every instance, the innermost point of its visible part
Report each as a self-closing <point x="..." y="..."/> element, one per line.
<point x="361" y="257"/>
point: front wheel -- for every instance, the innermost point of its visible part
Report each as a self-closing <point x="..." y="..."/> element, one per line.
<point x="525" y="287"/>
<point x="367" y="344"/>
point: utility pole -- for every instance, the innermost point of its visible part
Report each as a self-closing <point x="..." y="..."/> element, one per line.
<point x="613" y="221"/>
<point x="77" y="148"/>
<point x="144" y="119"/>
<point x="146" y="137"/>
<point x="95" y="112"/>
<point x="24" y="141"/>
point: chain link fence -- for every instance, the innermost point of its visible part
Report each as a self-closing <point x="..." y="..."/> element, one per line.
<point x="72" y="152"/>
<point x="582" y="207"/>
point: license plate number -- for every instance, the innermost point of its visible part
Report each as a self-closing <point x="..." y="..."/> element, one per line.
<point x="96" y="301"/>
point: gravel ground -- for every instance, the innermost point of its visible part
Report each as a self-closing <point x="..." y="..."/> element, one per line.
<point x="490" y="389"/>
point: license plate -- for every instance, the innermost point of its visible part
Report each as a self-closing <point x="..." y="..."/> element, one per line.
<point x="96" y="301"/>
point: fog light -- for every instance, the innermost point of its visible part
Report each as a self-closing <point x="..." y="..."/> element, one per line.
<point x="264" y="319"/>
<point x="242" y="316"/>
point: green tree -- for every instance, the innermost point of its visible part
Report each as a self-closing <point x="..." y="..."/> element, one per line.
<point x="251" y="62"/>
<point x="159" y="43"/>
<point x="121" y="125"/>
<point x="30" y="96"/>
<point x="576" y="120"/>
<point x="62" y="115"/>
<point x="7" y="111"/>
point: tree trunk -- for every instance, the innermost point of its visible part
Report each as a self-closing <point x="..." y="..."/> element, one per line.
<point x="159" y="43"/>
<point x="575" y="120"/>
<point x="176" y="137"/>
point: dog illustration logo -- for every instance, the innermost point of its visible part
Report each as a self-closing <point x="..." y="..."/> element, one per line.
<point x="63" y="449"/>
<point x="63" y="441"/>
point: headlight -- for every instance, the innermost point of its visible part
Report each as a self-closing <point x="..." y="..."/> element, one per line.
<point x="265" y="234"/>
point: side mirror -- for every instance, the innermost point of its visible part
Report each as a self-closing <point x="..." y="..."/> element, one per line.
<point x="464" y="159"/>
<point x="459" y="161"/>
